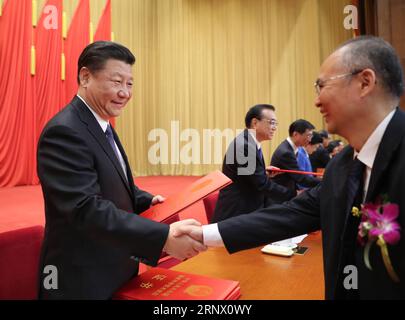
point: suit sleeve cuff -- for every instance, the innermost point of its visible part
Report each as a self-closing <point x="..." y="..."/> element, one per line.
<point x="211" y="236"/>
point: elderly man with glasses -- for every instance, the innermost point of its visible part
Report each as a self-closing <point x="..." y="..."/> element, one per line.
<point x="360" y="203"/>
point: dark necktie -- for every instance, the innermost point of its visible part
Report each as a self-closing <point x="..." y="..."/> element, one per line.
<point x="355" y="184"/>
<point x="110" y="138"/>
<point x="354" y="199"/>
<point x="259" y="151"/>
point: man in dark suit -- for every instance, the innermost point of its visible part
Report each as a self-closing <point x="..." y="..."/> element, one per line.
<point x="244" y="164"/>
<point x="320" y="158"/>
<point x="94" y="238"/>
<point x="285" y="157"/>
<point x="361" y="83"/>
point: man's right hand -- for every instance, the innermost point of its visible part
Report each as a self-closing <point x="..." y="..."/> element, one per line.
<point x="194" y="231"/>
<point x="179" y="244"/>
<point x="270" y="173"/>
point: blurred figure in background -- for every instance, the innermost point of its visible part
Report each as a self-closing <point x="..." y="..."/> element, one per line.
<point x="320" y="158"/>
<point x="304" y="153"/>
<point x="334" y="148"/>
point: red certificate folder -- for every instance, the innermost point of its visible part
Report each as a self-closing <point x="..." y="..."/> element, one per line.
<point x="194" y="192"/>
<point x="166" y="284"/>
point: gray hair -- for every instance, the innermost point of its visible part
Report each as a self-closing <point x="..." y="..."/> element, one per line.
<point x="375" y="53"/>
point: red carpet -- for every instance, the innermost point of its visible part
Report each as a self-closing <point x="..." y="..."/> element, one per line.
<point x="22" y="207"/>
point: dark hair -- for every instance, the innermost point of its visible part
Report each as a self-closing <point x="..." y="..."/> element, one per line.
<point x="316" y="138"/>
<point x="96" y="54"/>
<point x="256" y="112"/>
<point x="375" y="53"/>
<point x="332" y="145"/>
<point x="324" y="134"/>
<point x="300" y="126"/>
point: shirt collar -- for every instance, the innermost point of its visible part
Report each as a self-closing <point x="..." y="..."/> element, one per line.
<point x="368" y="152"/>
<point x="103" y="123"/>
<point x="292" y="144"/>
<point x="258" y="144"/>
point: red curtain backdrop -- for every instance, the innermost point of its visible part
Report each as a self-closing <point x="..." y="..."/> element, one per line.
<point x="28" y="101"/>
<point x="103" y="31"/>
<point x="17" y="103"/>
<point x="78" y="38"/>
<point x="49" y="85"/>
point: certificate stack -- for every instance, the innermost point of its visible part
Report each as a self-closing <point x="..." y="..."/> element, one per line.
<point x="166" y="284"/>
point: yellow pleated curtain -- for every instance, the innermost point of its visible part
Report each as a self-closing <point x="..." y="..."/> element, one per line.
<point x="202" y="63"/>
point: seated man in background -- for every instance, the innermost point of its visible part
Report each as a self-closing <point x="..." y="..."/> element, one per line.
<point x="245" y="165"/>
<point x="320" y="158"/>
<point x="326" y="137"/>
<point x="285" y="157"/>
<point x="334" y="148"/>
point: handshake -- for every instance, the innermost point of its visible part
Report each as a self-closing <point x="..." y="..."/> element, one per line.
<point x="185" y="239"/>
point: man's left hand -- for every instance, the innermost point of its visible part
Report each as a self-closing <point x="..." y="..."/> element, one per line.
<point x="157" y="199"/>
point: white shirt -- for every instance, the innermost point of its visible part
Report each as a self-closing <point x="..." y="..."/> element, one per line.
<point x="104" y="124"/>
<point x="367" y="154"/>
<point x="369" y="150"/>
<point x="252" y="133"/>
<point x="292" y="144"/>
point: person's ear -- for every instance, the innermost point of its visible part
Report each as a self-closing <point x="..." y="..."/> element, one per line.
<point x="368" y="81"/>
<point x="254" y="122"/>
<point x="84" y="76"/>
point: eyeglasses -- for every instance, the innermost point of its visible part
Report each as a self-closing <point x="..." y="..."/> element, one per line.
<point x="273" y="123"/>
<point x="319" y="84"/>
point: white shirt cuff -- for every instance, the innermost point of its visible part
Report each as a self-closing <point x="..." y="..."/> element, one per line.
<point x="211" y="235"/>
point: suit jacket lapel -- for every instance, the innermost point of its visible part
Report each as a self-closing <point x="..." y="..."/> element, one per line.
<point x="339" y="177"/>
<point x="342" y="207"/>
<point x="96" y="131"/>
<point x="389" y="143"/>
<point x="343" y="171"/>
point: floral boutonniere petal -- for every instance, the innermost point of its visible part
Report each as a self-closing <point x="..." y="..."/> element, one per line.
<point x="379" y="224"/>
<point x="386" y="224"/>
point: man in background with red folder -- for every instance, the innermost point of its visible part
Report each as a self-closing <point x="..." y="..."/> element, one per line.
<point x="94" y="237"/>
<point x="358" y="93"/>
